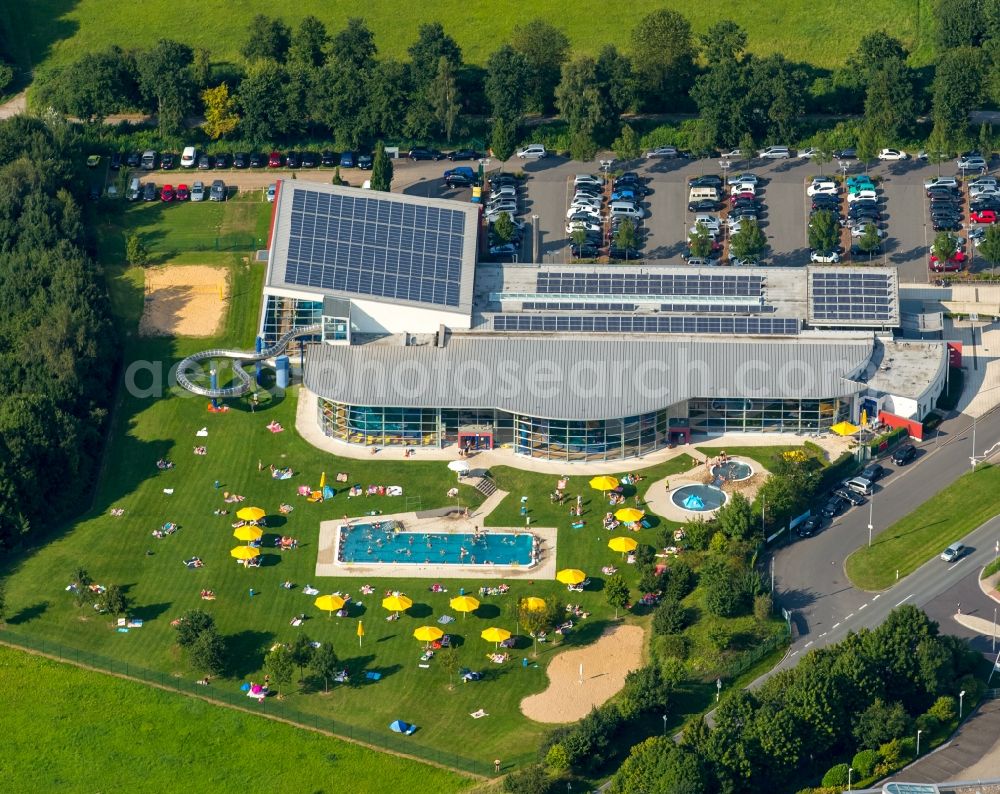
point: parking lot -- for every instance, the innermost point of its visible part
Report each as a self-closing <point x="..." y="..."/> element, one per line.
<point x="548" y="188"/>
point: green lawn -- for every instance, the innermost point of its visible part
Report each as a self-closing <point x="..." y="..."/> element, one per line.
<point x="73" y="730"/>
<point x="767" y="457"/>
<point x="951" y="514"/>
<point x="57" y="31"/>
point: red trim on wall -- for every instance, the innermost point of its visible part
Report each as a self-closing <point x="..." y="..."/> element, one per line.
<point x="954" y="354"/>
<point x="915" y="429"/>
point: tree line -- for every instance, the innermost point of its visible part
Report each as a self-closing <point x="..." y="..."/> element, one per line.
<point x="58" y="348"/>
<point x="310" y="81"/>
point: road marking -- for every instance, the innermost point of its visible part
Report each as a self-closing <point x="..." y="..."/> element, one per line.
<point x="834" y="626"/>
<point x="849" y="616"/>
<point x="905" y="599"/>
<point x="876" y="598"/>
<point x="957" y="564"/>
<point x="823" y="634"/>
<point x="863" y="606"/>
<point x="795" y="653"/>
<point x="808" y="644"/>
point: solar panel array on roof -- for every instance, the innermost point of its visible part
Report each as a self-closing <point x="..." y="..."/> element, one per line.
<point x="377" y="247"/>
<point x="578" y="307"/>
<point x="570" y="283"/>
<point x="852" y="297"/>
<point x="645" y="324"/>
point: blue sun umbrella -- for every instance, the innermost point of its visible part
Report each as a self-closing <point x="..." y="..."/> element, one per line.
<point x="402" y="727"/>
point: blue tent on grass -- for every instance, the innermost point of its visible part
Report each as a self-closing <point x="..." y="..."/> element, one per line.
<point x="402" y="727"/>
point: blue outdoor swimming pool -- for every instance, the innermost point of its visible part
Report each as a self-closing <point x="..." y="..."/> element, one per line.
<point x="364" y="543"/>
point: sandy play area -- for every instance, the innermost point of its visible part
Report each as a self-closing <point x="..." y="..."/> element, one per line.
<point x="605" y="664"/>
<point x="187" y="300"/>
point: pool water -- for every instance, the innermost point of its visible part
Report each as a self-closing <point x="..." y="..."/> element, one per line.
<point x="732" y="471"/>
<point x="363" y="543"/>
<point x="711" y="498"/>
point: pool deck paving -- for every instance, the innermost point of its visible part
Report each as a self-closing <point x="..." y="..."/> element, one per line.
<point x="658" y="496"/>
<point x="454" y="522"/>
<point x="307" y="426"/>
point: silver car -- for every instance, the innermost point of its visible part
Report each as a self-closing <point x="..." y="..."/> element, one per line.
<point x="218" y="191"/>
<point x="198" y="191"/>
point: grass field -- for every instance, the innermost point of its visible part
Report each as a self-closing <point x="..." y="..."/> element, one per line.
<point x="91" y="732"/>
<point x="944" y="518"/>
<point x="57" y="31"/>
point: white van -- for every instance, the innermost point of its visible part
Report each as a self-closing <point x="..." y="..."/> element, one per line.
<point x="189" y="157"/>
<point x="134" y="189"/>
<point x="535" y="152"/>
<point x="703" y="193"/>
<point x="625" y="209"/>
<point x="859" y="485"/>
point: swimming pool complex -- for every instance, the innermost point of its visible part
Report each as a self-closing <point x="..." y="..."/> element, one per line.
<point x="371" y="544"/>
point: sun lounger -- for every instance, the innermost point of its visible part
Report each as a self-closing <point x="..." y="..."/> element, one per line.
<point x="446" y="619"/>
<point x="310" y="590"/>
<point x="478" y="714"/>
<point x="296" y="621"/>
<point x="371" y="675"/>
<point x="394" y="490"/>
<point x="202" y="433"/>
<point x="424" y="666"/>
<point x="135" y="623"/>
<point x="342" y="677"/>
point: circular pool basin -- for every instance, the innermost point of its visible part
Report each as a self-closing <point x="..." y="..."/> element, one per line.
<point x="698" y="498"/>
<point x="732" y="471"/>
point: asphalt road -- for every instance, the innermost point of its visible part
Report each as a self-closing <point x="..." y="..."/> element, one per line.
<point x="809" y="574"/>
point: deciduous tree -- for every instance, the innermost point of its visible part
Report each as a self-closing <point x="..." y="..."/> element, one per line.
<point x="220" y="112"/>
<point x="823" y="233"/>
<point x="426" y="52"/>
<point x="723" y="41"/>
<point x="504" y="228"/>
<point x="663" y="53"/>
<point x="507" y="73"/>
<point x="325" y="664"/>
<point x="208" y="652"/>
<point x="165" y="80"/>
<point x="113" y="601"/>
<point x="136" y="253"/>
<point x="617" y="592"/>
<point x="354" y="47"/>
<point x="699" y="241"/>
<point x="309" y="43"/>
<point x="442" y="93"/>
<point x="545" y="49"/>
<point x="267" y="37"/>
<point x="503" y="139"/>
<point x="748" y="243"/>
<point x="302" y="652"/>
<point x="626" y="145"/>
<point x="278" y="664"/>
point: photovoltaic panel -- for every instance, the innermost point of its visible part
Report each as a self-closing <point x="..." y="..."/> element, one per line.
<point x="852" y="297"/>
<point x="646" y="324"/>
<point x="376" y="247"/>
<point x="617" y="283"/>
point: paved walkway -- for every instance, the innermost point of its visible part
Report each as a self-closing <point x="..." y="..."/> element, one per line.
<point x="308" y="427"/>
<point x="972" y="751"/>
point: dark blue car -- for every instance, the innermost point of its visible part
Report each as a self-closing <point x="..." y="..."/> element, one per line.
<point x="347" y="160"/>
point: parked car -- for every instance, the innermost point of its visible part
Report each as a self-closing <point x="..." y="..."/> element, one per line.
<point x="942" y="181"/>
<point x="241" y="160"/>
<point x="274" y="160"/>
<point x="218" y="191"/>
<point x="874" y="472"/>
<point x="168" y="161"/>
<point x="850" y="153"/>
<point x="824" y="257"/>
<point x="221" y="160"/>
<point x="732" y="154"/>
<point x="808" y="153"/>
<point x="626" y="254"/>
<point x="774" y="153"/>
<point x="703" y="205"/>
<point x="422" y="153"/>
<point x="834" y="506"/>
<point x="534" y="151"/>
<point x="983" y="216"/>
<point x="971" y="163"/>
<point x="189" y="157"/>
<point x="458" y="180"/>
<point x="292" y="160"/>
<point x="272" y="189"/>
<point x="347" y="160"/>
<point x="257" y="160"/>
<point x="585" y="251"/>
<point x="182" y="193"/>
<point x="904" y="454"/>
<point x="309" y="160"/>
<point x="148" y="160"/>
<point x="149" y="192"/>
<point x="893" y="154"/>
<point x="463" y="154"/>
<point x="954" y="552"/>
<point x="365" y="162"/>
<point x="328" y="159"/>
<point x="133" y="159"/>
<point x="706" y="180"/>
<point x="667" y="152"/>
<point x="116" y="161"/>
<point x="204" y="162"/>
<point x="860" y="253"/>
<point x="848" y="495"/>
<point x="198" y="191"/>
<point x="810" y="526"/>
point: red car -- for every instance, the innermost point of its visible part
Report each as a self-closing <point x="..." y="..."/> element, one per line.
<point x="182" y="193"/>
<point x="983" y="216"/>
<point x="166" y="193"/>
<point x="274" y="160"/>
<point x="954" y="263"/>
<point x="737" y="196"/>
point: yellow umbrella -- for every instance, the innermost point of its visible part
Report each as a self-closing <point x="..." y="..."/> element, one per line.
<point x="845" y="429"/>
<point x="533" y="603"/>
<point x="330" y="603"/>
<point x="322" y="480"/>
<point x="571" y="576"/>
<point x="630" y="515"/>
<point x="248" y="533"/>
<point x="604" y="483"/>
<point x="250" y="513"/>
<point x="397" y="602"/>
<point x="494" y="634"/>
<point x="245" y="552"/>
<point x="428" y="633"/>
<point x="622" y="544"/>
<point x="464" y="604"/>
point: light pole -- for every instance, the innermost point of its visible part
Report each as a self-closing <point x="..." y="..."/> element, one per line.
<point x="850" y="774"/>
<point x="918" y="743"/>
<point x="664" y="724"/>
<point x="763" y="512"/>
<point x="961" y="698"/>
<point x="871" y="511"/>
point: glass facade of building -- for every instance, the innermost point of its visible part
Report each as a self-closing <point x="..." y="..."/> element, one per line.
<point x="561" y="439"/>
<point x="766" y="416"/>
